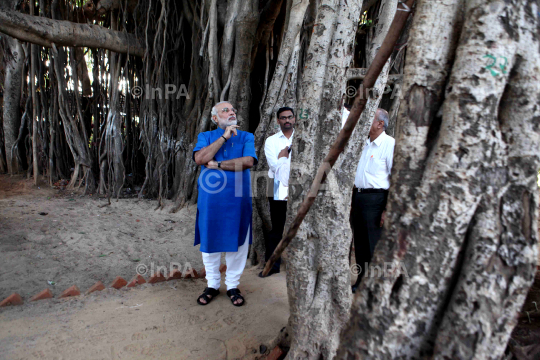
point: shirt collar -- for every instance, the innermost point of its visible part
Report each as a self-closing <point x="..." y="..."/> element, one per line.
<point x="378" y="140"/>
<point x="280" y="134"/>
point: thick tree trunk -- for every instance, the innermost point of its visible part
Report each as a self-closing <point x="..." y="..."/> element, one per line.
<point x="112" y="138"/>
<point x="44" y="32"/>
<point x="82" y="72"/>
<point x="318" y="280"/>
<point x="197" y="114"/>
<point x="74" y="135"/>
<point x="227" y="46"/>
<point x="277" y="94"/>
<point x="274" y="93"/>
<point x="214" y="88"/>
<point x="14" y="59"/>
<point x="461" y="233"/>
<point x="240" y="92"/>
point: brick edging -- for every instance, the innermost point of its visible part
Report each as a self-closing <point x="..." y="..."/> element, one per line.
<point x="118" y="283"/>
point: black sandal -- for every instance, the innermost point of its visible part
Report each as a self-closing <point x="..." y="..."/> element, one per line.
<point x="235" y="293"/>
<point x="208" y="291"/>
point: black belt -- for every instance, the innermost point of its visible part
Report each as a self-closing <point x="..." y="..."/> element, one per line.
<point x="369" y="191"/>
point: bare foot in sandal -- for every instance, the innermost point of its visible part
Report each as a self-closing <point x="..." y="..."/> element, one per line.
<point x="207" y="296"/>
<point x="236" y="298"/>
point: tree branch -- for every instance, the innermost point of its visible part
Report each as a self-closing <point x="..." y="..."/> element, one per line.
<point x="45" y="32"/>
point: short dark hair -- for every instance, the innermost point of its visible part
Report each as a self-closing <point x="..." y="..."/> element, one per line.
<point x="283" y="109"/>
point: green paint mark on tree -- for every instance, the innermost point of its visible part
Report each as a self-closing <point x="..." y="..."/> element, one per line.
<point x="493" y="61"/>
<point x="304" y="114"/>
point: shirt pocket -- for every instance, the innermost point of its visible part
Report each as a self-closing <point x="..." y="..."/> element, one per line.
<point x="235" y="150"/>
<point x="375" y="166"/>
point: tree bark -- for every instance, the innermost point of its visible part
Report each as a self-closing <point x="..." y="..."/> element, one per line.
<point x="461" y="232"/>
<point x="296" y="18"/>
<point x="44" y="32"/>
<point x="214" y="88"/>
<point x="77" y="144"/>
<point x="33" y="59"/>
<point x="285" y="74"/>
<point x="240" y="92"/>
<point x="82" y="72"/>
<point x="112" y="137"/>
<point x="227" y="45"/>
<point x="360" y="74"/>
<point x="14" y="58"/>
<point x="318" y="280"/>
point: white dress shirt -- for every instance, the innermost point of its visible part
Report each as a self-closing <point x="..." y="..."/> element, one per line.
<point x="344" y="117"/>
<point x="277" y="167"/>
<point x="375" y="164"/>
<point x="283" y="170"/>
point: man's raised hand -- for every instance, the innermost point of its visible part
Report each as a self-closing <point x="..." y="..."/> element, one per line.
<point x="230" y="130"/>
<point x="284" y="153"/>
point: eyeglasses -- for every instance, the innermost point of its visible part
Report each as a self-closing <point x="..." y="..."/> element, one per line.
<point x="290" y="117"/>
<point x="226" y="110"/>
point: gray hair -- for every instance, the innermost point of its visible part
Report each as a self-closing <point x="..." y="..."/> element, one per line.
<point x="214" y="109"/>
<point x="383" y="116"/>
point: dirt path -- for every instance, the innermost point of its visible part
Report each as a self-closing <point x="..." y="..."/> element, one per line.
<point x="158" y="321"/>
<point x="77" y="242"/>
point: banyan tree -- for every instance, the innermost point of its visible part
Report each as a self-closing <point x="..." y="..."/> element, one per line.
<point x="111" y="94"/>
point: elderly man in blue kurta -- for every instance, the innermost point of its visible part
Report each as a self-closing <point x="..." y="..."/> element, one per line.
<point x="224" y="202"/>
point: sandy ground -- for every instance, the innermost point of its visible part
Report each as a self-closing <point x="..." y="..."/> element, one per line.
<point x="77" y="242"/>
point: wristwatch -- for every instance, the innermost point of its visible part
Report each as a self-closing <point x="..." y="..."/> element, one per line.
<point x="219" y="164"/>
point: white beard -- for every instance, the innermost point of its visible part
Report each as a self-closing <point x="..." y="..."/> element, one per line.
<point x="231" y="122"/>
<point x="223" y="123"/>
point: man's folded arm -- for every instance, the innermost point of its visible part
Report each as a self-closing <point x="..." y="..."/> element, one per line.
<point x="238" y="164"/>
<point x="204" y="155"/>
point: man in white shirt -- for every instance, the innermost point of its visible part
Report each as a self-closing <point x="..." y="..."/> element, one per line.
<point x="370" y="191"/>
<point x="277" y="149"/>
<point x="345" y="115"/>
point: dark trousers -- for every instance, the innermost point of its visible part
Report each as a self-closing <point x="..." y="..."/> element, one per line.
<point x="278" y="215"/>
<point x="366" y="215"/>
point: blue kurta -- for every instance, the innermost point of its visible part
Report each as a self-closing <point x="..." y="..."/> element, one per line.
<point x="224" y="202"/>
